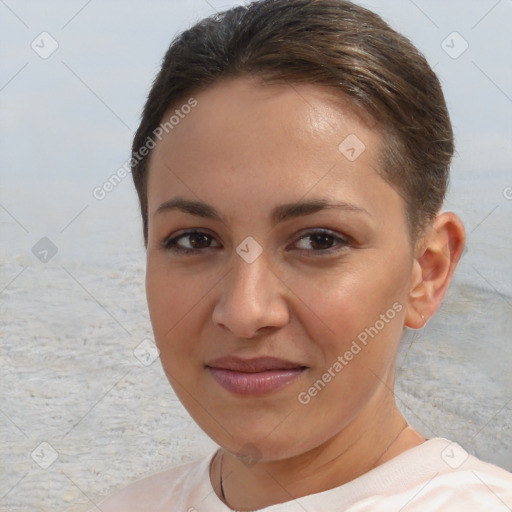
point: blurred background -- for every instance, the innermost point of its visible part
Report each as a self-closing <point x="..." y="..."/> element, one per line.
<point x="84" y="405"/>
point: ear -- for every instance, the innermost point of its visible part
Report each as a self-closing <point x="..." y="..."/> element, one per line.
<point x="438" y="253"/>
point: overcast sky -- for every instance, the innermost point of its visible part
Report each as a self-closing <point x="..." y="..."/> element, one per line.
<point x="77" y="109"/>
<point x="67" y="119"/>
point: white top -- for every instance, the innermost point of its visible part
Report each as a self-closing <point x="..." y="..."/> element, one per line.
<point x="437" y="475"/>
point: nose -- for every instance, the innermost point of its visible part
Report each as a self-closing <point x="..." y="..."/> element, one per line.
<point x="252" y="300"/>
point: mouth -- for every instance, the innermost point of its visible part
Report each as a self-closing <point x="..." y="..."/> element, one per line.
<point x="258" y="376"/>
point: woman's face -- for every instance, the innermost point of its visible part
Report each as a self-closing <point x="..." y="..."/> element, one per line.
<point x="278" y="266"/>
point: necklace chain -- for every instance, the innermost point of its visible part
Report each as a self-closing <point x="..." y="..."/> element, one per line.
<point x="390" y="445"/>
<point x="222" y="494"/>
<point x="221" y="462"/>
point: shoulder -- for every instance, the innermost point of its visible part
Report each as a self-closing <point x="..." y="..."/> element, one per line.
<point x="442" y="476"/>
<point x="472" y="482"/>
<point x="172" y="488"/>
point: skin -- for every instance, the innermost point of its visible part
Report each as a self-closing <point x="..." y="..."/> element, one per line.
<point x="244" y="150"/>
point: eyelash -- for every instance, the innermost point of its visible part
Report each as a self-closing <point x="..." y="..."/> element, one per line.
<point x="340" y="243"/>
<point x="171" y="244"/>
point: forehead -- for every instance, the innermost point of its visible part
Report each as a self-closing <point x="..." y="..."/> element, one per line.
<point x="293" y="110"/>
<point x="242" y="115"/>
<point x="278" y="139"/>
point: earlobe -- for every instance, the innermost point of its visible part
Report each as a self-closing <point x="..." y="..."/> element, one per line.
<point x="438" y="254"/>
<point x="415" y="318"/>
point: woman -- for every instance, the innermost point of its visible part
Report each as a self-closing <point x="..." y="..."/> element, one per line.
<point x="291" y="165"/>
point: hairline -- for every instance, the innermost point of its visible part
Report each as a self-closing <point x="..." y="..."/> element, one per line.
<point x="336" y="97"/>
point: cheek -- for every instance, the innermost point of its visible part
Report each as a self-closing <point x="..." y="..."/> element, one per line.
<point x="351" y="304"/>
<point x="180" y="303"/>
<point x="356" y="326"/>
<point x="173" y="298"/>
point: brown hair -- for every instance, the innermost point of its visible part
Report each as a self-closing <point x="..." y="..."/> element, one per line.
<point x="328" y="42"/>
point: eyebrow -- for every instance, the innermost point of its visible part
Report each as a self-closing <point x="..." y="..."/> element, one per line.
<point x="279" y="213"/>
<point x="197" y="208"/>
<point x="301" y="208"/>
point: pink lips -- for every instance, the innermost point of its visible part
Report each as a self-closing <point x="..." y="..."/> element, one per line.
<point x="256" y="376"/>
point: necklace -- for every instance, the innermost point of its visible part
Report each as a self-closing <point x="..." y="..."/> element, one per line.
<point x="221" y="485"/>
<point x="221" y="462"/>
<point x="405" y="427"/>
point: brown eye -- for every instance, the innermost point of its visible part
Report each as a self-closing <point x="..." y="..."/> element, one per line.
<point x="198" y="240"/>
<point x="190" y="242"/>
<point x="321" y="241"/>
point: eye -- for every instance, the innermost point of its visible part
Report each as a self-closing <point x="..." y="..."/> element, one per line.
<point x="321" y="241"/>
<point x="190" y="242"/>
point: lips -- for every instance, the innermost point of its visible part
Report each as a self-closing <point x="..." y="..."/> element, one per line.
<point x="257" y="376"/>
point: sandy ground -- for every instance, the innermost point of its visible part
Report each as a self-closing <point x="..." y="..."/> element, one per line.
<point x="83" y="411"/>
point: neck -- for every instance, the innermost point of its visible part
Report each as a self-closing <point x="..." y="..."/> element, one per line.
<point x="372" y="439"/>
